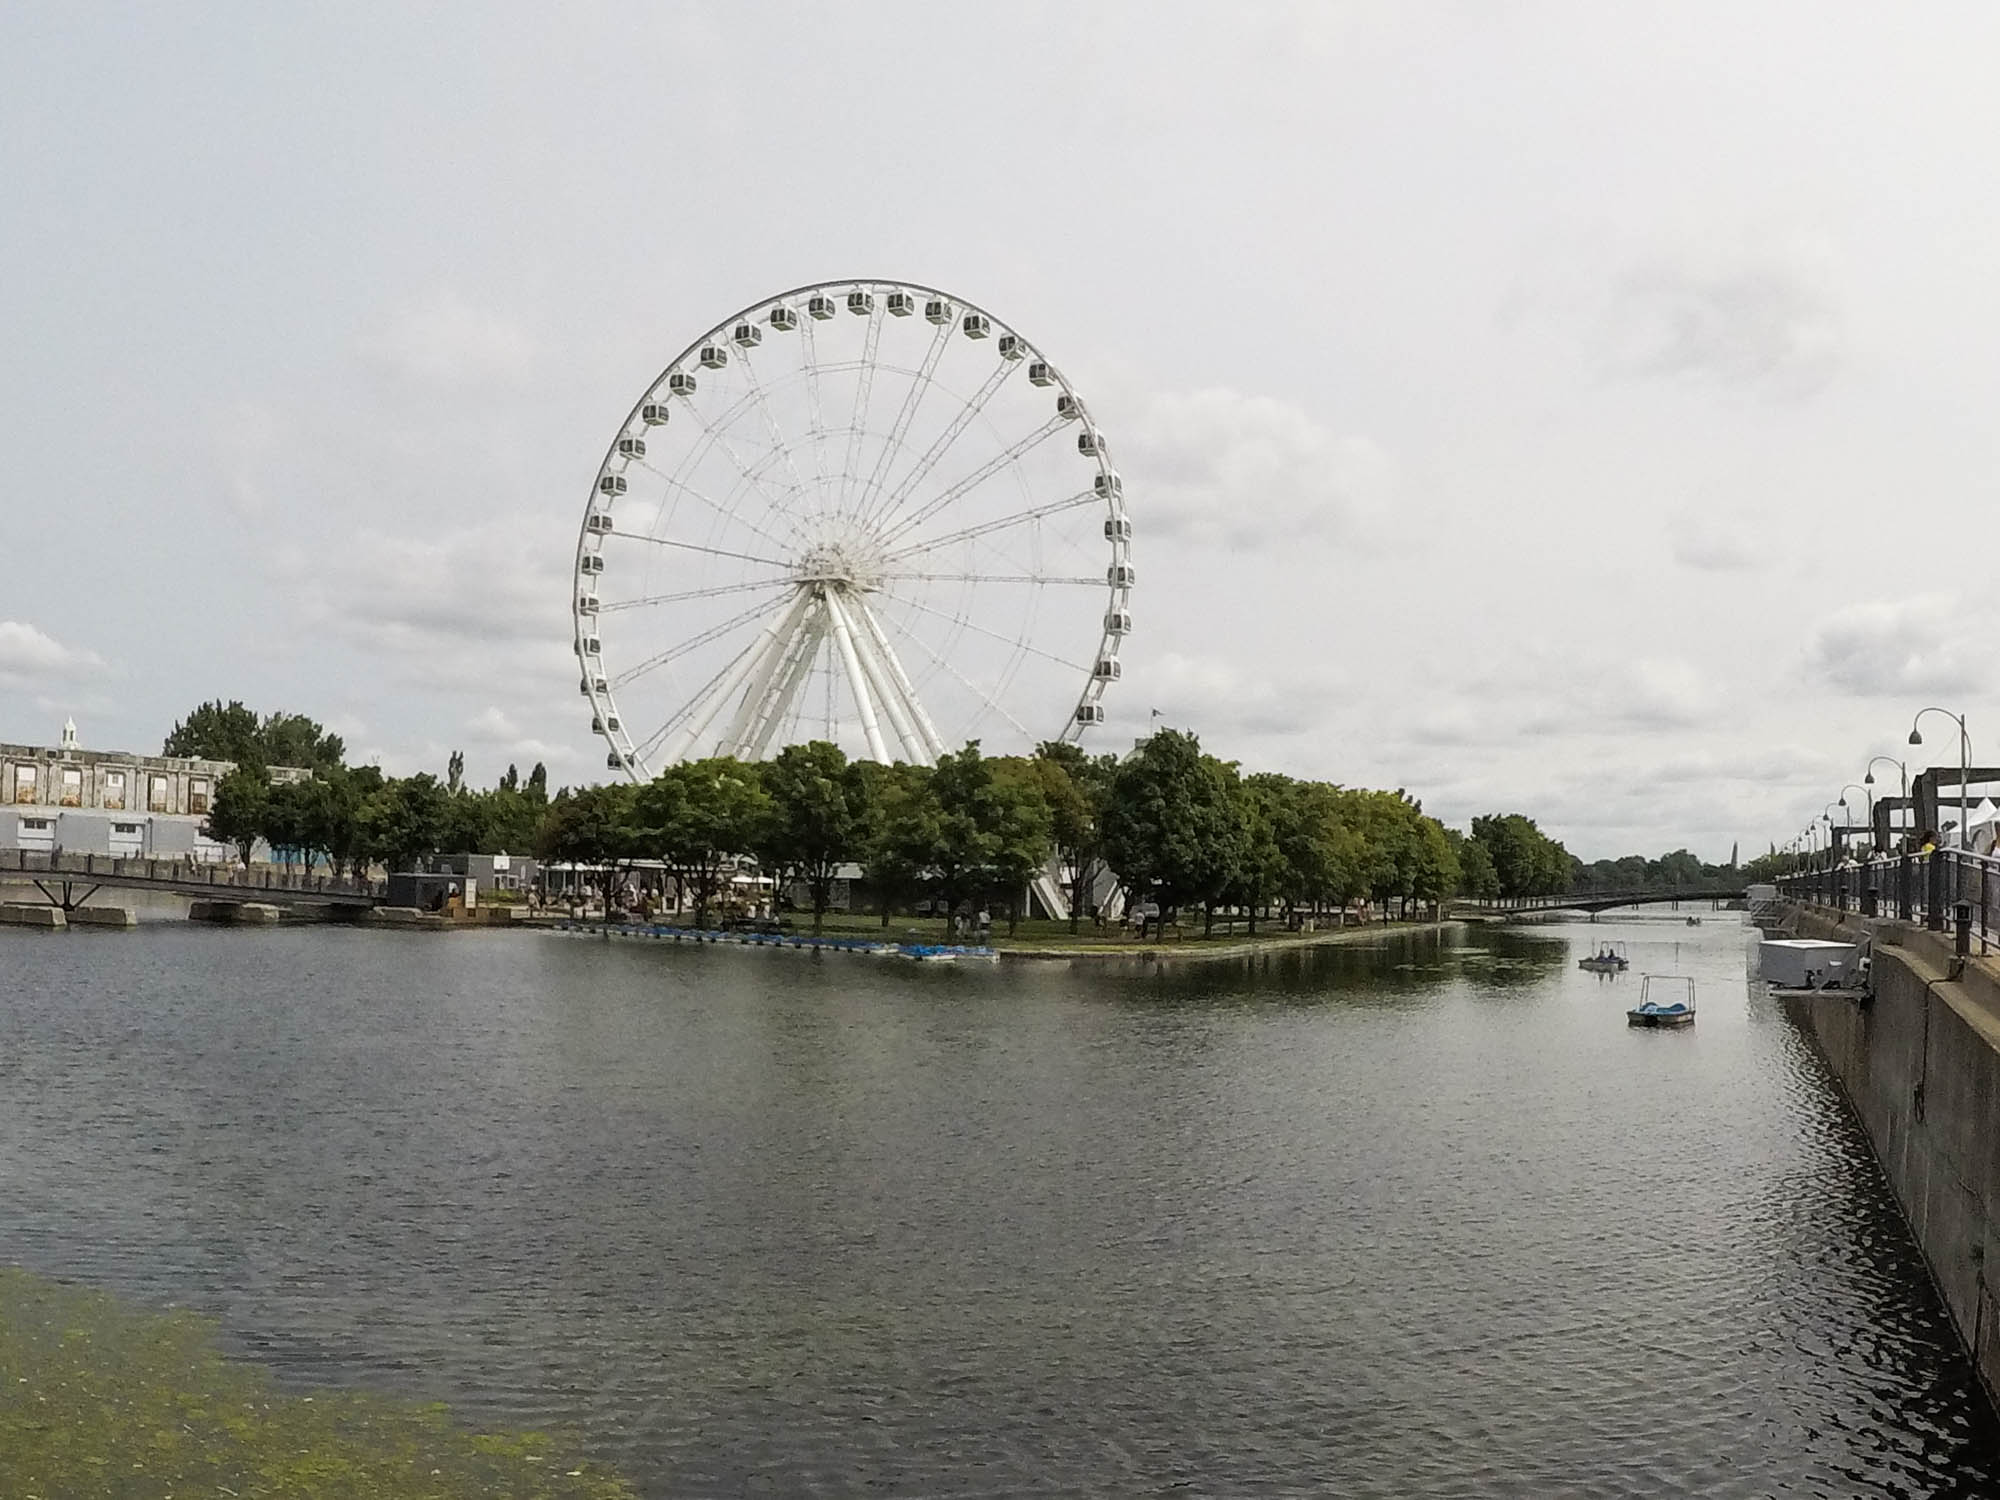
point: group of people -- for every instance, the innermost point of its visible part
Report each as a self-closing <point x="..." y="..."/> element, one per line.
<point x="966" y="924"/>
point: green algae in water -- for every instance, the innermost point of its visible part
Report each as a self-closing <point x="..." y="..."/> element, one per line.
<point x="98" y="1399"/>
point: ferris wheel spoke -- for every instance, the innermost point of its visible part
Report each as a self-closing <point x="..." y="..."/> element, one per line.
<point x="967" y="415"/>
<point x="713" y="435"/>
<point x="920" y="384"/>
<point x="728" y="513"/>
<point x="672" y="653"/>
<point x="1080" y="582"/>
<point x="778" y="443"/>
<point x="864" y="387"/>
<point x="978" y="692"/>
<point x="667" y="541"/>
<point x="987" y="528"/>
<point x="978" y="629"/>
<point x="685" y="594"/>
<point x="994" y="465"/>
<point x="815" y="408"/>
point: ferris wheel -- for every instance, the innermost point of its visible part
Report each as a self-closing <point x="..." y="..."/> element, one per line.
<point x="861" y="511"/>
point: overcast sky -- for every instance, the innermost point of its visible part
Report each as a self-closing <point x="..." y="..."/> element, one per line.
<point x="1586" y="409"/>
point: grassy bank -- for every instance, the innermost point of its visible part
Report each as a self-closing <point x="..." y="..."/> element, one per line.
<point x="98" y="1399"/>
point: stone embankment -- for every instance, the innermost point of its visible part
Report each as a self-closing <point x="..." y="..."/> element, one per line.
<point x="1920" y="1063"/>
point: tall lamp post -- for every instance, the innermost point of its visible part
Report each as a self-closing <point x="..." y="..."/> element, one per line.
<point x="1902" y="770"/>
<point x="1964" y="763"/>
<point x="1870" y="796"/>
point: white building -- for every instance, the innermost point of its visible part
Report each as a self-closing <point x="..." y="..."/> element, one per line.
<point x="110" y="801"/>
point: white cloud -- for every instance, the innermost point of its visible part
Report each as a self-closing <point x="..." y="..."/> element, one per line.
<point x="1926" y="645"/>
<point x="1713" y="545"/>
<point x="496" y="731"/>
<point x="1220" y="468"/>
<point x="1760" y="319"/>
<point x="447" y="341"/>
<point x="248" y="440"/>
<point x="1196" y="690"/>
<point x="32" y="657"/>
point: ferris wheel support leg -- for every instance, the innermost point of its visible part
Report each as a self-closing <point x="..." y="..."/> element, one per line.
<point x="864" y="702"/>
<point x="901" y="679"/>
<point x="689" y="739"/>
<point x="772" y="714"/>
<point x="776" y="651"/>
<point x="892" y="701"/>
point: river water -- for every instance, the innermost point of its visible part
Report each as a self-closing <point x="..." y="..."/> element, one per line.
<point x="1417" y="1218"/>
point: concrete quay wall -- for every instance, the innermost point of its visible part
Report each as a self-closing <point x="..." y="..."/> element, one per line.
<point x="1920" y="1064"/>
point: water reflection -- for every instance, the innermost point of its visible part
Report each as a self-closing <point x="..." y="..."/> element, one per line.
<point x="1417" y="1217"/>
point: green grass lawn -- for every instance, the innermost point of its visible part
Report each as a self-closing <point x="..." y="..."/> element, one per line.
<point x="100" y="1401"/>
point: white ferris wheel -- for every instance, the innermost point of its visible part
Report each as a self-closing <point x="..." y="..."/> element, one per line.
<point x="862" y="511"/>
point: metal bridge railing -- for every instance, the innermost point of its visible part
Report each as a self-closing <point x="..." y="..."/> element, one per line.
<point x="179" y="873"/>
<point x="1910" y="887"/>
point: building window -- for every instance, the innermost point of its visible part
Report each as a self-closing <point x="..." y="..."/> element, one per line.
<point x="156" y="794"/>
<point x="72" y="786"/>
<point x="24" y="784"/>
<point x="125" y="828"/>
<point x="114" y="790"/>
<point x="198" y="794"/>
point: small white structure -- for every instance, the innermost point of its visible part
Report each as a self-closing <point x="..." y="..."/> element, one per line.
<point x="1804" y="963"/>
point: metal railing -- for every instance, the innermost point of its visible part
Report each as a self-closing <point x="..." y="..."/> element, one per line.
<point x="181" y="874"/>
<point x="1910" y="887"/>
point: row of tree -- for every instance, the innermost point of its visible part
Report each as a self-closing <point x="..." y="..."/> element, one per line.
<point x="1168" y="824"/>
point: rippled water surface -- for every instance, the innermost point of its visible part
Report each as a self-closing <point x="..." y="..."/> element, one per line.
<point x="1423" y="1218"/>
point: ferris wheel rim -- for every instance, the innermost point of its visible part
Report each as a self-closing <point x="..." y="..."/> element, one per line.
<point x="862" y="636"/>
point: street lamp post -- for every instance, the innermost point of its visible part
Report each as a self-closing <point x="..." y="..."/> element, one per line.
<point x="1902" y="771"/>
<point x="1870" y="796"/>
<point x="1964" y="764"/>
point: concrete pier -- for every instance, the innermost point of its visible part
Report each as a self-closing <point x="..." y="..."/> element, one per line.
<point x="31" y="914"/>
<point x="1920" y="1063"/>
<point x="103" y="916"/>
<point x="236" y="913"/>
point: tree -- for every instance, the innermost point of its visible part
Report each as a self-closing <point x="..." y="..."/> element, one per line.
<point x="295" y="740"/>
<point x="697" y="817"/>
<point x="217" y="731"/>
<point x="405" y="820"/>
<point x="1476" y="876"/>
<point x="538" y="783"/>
<point x="1018" y="823"/>
<point x="231" y="732"/>
<point x="819" y="804"/>
<point x="454" y="772"/>
<point x="237" y="813"/>
<point x="1075" y="787"/>
<point x="1268" y="804"/>
<point x="591" y="826"/>
<point x="1436" y="873"/>
<point x="347" y="790"/>
<point x="902" y="827"/>
<point x="1171" y="826"/>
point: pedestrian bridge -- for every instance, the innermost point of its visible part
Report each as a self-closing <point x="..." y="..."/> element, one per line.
<point x="1597" y="901"/>
<point x="69" y="880"/>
